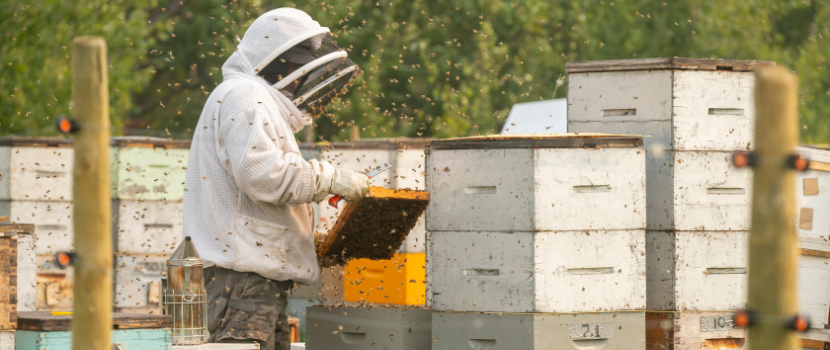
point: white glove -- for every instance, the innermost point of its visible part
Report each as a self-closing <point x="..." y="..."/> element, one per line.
<point x="350" y="185"/>
<point x="322" y="172"/>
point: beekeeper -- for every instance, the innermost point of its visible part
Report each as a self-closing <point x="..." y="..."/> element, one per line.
<point x="248" y="189"/>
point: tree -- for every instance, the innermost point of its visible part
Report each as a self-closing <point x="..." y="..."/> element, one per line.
<point x="35" y="82"/>
<point x="430" y="68"/>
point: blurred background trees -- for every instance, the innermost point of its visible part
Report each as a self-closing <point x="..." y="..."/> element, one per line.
<point x="431" y="68"/>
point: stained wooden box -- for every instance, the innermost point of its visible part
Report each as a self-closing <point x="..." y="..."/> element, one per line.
<point x="148" y="168"/>
<point x="406" y="158"/>
<point x="8" y="282"/>
<point x="351" y="328"/>
<point x="537" y="183"/>
<point x="373" y="228"/>
<point x="558" y="271"/>
<point x="693" y="331"/>
<point x="36" y="168"/>
<point x="17" y="272"/>
<point x="538" y="331"/>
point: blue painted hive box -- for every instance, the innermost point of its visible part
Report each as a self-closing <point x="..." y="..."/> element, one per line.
<point x="41" y="331"/>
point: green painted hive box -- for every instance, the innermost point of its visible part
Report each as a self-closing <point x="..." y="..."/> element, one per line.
<point x="40" y="330"/>
<point x="126" y="339"/>
<point x="145" y="168"/>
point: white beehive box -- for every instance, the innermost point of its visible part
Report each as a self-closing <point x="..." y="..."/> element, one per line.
<point x="7" y="339"/>
<point x="144" y="168"/>
<point x="36" y="169"/>
<point x="406" y="158"/>
<point x="137" y="279"/>
<point x="352" y="328"/>
<point x="686" y="105"/>
<point x="558" y="271"/>
<point x="691" y="330"/>
<point x="690" y="270"/>
<point x="53" y="223"/>
<point x="541" y="183"/>
<point x="24" y="280"/>
<point x="26" y="272"/>
<point x="538" y="331"/>
<point x="707" y="193"/>
<point x="812" y="194"/>
<point x="149" y="226"/>
<point x="813" y="280"/>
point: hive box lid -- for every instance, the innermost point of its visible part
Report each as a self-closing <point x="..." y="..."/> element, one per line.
<point x="25" y="141"/>
<point x="366" y="144"/>
<point x="148" y="142"/>
<point x="45" y="321"/>
<point x="8" y="230"/>
<point x="568" y="140"/>
<point x="374" y="227"/>
<point x="676" y="63"/>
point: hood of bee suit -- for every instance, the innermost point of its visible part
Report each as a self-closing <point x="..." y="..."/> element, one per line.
<point x="270" y="35"/>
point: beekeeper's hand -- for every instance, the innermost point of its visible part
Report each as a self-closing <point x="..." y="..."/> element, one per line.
<point x="350" y="185"/>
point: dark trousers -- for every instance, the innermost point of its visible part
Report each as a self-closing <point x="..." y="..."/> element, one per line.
<point x="245" y="307"/>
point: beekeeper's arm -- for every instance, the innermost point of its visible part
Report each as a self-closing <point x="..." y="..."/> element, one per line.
<point x="267" y="174"/>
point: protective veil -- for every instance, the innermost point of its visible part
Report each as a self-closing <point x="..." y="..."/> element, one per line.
<point x="248" y="189"/>
<point x="324" y="72"/>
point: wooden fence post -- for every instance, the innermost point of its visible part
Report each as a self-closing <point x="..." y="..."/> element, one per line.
<point x="772" y="242"/>
<point x="92" y="319"/>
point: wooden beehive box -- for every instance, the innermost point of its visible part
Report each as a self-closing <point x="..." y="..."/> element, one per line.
<point x="10" y="239"/>
<point x="373" y="228"/>
<point x="8" y="282"/>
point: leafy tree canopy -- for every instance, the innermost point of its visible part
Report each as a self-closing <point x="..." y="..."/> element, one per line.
<point x="430" y="68"/>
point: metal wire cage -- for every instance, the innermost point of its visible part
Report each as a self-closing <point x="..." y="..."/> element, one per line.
<point x="184" y="297"/>
<point x="189" y="313"/>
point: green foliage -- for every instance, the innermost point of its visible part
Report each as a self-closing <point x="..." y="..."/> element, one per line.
<point x="430" y="68"/>
<point x="36" y="53"/>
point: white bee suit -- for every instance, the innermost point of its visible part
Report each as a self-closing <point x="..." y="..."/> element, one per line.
<point x="248" y="189"/>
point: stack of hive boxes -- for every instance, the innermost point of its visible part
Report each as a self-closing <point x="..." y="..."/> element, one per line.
<point x="36" y="187"/>
<point x="699" y="206"/>
<point x="812" y="193"/>
<point x="537" y="242"/>
<point x="147" y="190"/>
<point x="366" y="280"/>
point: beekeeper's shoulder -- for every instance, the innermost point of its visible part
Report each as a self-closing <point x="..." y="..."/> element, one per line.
<point x="242" y="94"/>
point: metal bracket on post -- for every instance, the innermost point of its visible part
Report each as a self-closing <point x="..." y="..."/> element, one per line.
<point x="746" y="318"/>
<point x="66" y="125"/>
<point x="749" y="159"/>
<point x="64" y="259"/>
